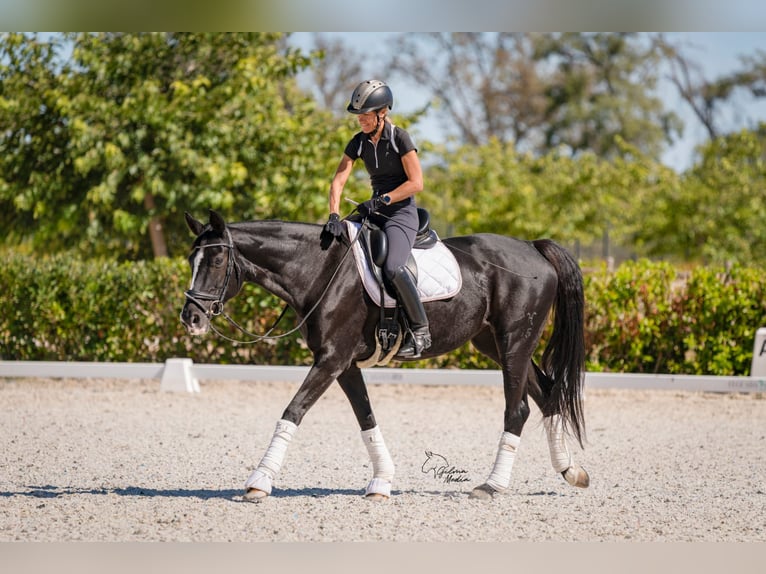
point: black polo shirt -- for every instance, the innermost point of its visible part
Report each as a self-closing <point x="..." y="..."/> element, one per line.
<point x="384" y="160"/>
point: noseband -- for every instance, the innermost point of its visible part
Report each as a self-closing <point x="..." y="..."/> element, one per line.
<point x="196" y="297"/>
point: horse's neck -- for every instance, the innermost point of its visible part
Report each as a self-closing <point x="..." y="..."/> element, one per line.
<point x="283" y="257"/>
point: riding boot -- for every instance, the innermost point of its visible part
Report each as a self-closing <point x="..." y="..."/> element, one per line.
<point x="420" y="338"/>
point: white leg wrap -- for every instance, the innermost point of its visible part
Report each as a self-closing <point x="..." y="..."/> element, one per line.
<point x="561" y="459"/>
<point x="382" y="464"/>
<point x="271" y="463"/>
<point x="500" y="477"/>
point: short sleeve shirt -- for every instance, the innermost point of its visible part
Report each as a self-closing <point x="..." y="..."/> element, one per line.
<point x="384" y="160"/>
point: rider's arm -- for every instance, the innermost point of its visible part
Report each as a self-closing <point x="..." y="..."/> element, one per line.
<point x="339" y="181"/>
<point x="414" y="183"/>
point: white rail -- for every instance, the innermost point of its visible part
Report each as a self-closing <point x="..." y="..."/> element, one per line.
<point x="184" y="375"/>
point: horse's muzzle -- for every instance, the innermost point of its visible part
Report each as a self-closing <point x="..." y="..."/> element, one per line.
<point x="194" y="319"/>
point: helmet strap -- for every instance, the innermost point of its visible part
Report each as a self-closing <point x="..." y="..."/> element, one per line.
<point x="378" y="125"/>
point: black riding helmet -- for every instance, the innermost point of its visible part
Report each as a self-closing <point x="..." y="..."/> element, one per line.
<point x="369" y="96"/>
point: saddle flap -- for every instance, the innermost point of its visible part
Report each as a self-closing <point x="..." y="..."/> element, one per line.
<point x="378" y="243"/>
<point x="438" y="274"/>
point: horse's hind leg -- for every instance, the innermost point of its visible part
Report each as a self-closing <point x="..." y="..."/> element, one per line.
<point x="540" y="389"/>
<point x="352" y="383"/>
<point x="514" y="362"/>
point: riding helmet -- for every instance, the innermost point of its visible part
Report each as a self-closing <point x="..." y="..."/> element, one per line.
<point x="370" y="95"/>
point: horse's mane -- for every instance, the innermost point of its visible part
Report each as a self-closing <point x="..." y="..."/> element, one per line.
<point x="251" y="225"/>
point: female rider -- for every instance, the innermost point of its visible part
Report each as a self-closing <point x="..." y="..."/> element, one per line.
<point x="392" y="161"/>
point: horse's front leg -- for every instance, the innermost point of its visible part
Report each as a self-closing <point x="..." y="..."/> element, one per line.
<point x="260" y="481"/>
<point x="352" y="383"/>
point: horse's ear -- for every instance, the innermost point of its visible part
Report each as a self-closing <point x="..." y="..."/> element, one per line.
<point x="217" y="222"/>
<point x="195" y="225"/>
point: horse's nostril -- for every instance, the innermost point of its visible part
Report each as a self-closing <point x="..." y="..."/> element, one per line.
<point x="195" y="319"/>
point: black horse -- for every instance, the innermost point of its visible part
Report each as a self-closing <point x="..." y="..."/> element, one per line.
<point x="509" y="289"/>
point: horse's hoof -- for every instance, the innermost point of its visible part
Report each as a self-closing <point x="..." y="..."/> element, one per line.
<point x="576" y="476"/>
<point x="254" y="495"/>
<point x="376" y="497"/>
<point x="482" y="492"/>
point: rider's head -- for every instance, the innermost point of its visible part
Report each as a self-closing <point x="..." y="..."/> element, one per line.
<point x="371" y="101"/>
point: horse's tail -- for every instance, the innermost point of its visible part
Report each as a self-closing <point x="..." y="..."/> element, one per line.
<point x="564" y="356"/>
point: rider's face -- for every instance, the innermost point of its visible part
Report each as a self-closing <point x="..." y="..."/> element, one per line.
<point x="367" y="121"/>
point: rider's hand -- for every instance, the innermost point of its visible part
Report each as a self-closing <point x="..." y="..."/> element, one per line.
<point x="370" y="206"/>
<point x="334" y="226"/>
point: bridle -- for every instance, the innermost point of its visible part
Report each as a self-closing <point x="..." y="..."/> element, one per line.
<point x="196" y="297"/>
<point x="216" y="308"/>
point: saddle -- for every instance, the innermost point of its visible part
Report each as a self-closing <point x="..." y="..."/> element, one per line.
<point x="375" y="246"/>
<point x="370" y="253"/>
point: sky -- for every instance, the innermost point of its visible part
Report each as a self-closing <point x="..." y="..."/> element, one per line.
<point x="717" y="52"/>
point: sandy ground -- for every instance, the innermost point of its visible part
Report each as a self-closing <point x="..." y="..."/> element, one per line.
<point x="108" y="460"/>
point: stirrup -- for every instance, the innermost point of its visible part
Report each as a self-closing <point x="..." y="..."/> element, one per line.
<point x="415" y="342"/>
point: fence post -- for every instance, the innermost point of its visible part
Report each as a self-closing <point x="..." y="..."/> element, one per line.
<point x="178" y="376"/>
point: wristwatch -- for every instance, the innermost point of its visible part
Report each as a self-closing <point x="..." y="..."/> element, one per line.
<point x="385" y="199"/>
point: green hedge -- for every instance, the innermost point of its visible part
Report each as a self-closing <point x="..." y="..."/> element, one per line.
<point x="647" y="318"/>
<point x="644" y="317"/>
<point x="65" y="309"/>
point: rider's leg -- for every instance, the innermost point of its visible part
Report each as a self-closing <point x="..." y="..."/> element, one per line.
<point x="400" y="228"/>
<point x="404" y="283"/>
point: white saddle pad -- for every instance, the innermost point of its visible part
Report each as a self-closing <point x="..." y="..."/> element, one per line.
<point x="438" y="272"/>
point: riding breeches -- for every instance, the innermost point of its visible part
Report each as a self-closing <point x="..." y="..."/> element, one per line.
<point x="400" y="227"/>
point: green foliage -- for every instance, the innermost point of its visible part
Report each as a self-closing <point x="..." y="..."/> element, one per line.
<point x="492" y="188"/>
<point x="628" y="314"/>
<point x="644" y="317"/>
<point x="717" y="318"/>
<point x="542" y="91"/>
<point x="713" y="213"/>
<point x="101" y="151"/>
<point x="135" y="129"/>
<point x="602" y="90"/>
<point x="62" y="308"/>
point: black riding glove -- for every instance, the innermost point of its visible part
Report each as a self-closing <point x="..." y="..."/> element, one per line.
<point x="334" y="226"/>
<point x="370" y="206"/>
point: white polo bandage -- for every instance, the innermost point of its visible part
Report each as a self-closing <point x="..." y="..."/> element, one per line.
<point x="500" y="477"/>
<point x="382" y="464"/>
<point x="561" y="459"/>
<point x="271" y="463"/>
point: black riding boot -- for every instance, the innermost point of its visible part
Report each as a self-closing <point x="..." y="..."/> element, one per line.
<point x="420" y="339"/>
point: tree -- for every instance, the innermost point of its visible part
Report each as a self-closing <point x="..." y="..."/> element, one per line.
<point x="335" y="73"/>
<point x="716" y="212"/>
<point x="572" y="91"/>
<point x="155" y="124"/>
<point x="708" y="98"/>
<point x="576" y="200"/>
<point x="603" y="86"/>
<point x="34" y="138"/>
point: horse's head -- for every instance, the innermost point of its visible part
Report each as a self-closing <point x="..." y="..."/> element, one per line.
<point x="213" y="268"/>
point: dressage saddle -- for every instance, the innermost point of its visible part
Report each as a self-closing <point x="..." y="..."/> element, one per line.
<point x="375" y="244"/>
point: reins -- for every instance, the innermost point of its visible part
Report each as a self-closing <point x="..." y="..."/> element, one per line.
<point x="217" y="307"/>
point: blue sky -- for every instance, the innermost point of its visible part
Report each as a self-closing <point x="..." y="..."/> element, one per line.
<point x="716" y="52"/>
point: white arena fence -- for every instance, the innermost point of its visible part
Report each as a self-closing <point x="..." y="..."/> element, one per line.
<point x="185" y="375"/>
